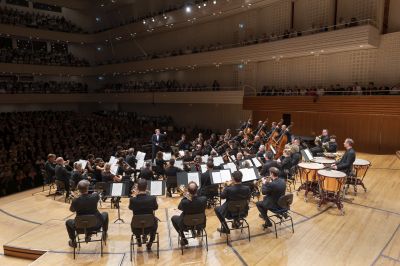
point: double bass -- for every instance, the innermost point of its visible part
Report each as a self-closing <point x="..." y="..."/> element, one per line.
<point x="261" y="131"/>
<point x="272" y="139"/>
<point x="282" y="141"/>
<point x="248" y="130"/>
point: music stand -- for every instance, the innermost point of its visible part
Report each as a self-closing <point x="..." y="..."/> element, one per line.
<point x="156" y="187"/>
<point x="118" y="190"/>
<point x="307" y="155"/>
<point x="183" y="178"/>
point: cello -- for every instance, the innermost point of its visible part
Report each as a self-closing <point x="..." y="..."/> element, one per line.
<point x="261" y="131"/>
<point x="282" y="141"/>
<point x="271" y="141"/>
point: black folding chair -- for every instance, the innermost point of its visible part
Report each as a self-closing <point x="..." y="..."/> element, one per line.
<point x="143" y="222"/>
<point x="86" y="224"/>
<point x="283" y="213"/>
<point x="212" y="194"/>
<point x="237" y="214"/>
<point x="194" y="223"/>
<point x="60" y="185"/>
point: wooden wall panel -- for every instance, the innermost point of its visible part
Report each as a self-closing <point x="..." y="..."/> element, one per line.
<point x="377" y="133"/>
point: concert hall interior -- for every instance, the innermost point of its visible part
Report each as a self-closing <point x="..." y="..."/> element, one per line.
<point x="201" y="132"/>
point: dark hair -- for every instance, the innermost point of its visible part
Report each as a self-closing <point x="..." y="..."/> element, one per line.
<point x="237" y="176"/>
<point x="142" y="184"/>
<point x="269" y="155"/>
<point x="274" y="171"/>
<point x="171" y="162"/>
<point x="147" y="164"/>
<point x="90" y="156"/>
<point x="83" y="186"/>
<point x="210" y="165"/>
<point x="192" y="188"/>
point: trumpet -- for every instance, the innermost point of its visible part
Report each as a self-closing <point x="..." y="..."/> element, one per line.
<point x="182" y="190"/>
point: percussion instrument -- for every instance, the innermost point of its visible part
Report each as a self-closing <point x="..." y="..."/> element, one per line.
<point x="331" y="183"/>
<point x="323" y="160"/>
<point x="360" y="169"/>
<point x="308" y="174"/>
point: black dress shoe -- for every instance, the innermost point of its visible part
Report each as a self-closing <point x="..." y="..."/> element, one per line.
<point x="267" y="224"/>
<point x="144" y="238"/>
<point x="72" y="243"/>
<point x="148" y="246"/>
<point x="139" y="242"/>
<point x="184" y="242"/>
<point x="224" y="231"/>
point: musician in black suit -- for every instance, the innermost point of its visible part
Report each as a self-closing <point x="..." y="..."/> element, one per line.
<point x="144" y="204"/>
<point x="157" y="142"/>
<point x="269" y="162"/>
<point x="131" y="158"/>
<point x="146" y="172"/>
<point x="171" y="173"/>
<point x="190" y="204"/>
<point x="86" y="204"/>
<point x="273" y="191"/>
<point x="183" y="144"/>
<point x="236" y="191"/>
<point x="346" y="163"/>
<point x="332" y="144"/>
<point x="320" y="141"/>
<point x="295" y="154"/>
<point x="208" y="189"/>
<point x="256" y="145"/>
<point x="50" y="167"/>
<point x="285" y="163"/>
<point x="62" y="174"/>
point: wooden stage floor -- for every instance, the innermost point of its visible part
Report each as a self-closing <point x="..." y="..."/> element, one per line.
<point x="33" y="226"/>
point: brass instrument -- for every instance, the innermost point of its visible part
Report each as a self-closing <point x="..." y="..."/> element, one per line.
<point x="182" y="190"/>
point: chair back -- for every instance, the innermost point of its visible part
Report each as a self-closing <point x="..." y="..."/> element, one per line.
<point x="237" y="206"/>
<point x="194" y="220"/>
<point x="84" y="222"/>
<point x="60" y="184"/>
<point x="100" y="186"/>
<point x="285" y="201"/>
<point x="171" y="180"/>
<point x="142" y="221"/>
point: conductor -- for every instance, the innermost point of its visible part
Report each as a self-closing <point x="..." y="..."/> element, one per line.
<point x="157" y="142"/>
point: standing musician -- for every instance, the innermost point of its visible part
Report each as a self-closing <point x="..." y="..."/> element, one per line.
<point x="157" y="142"/>
<point x="346" y="163"/>
<point x="50" y="167"/>
<point x="320" y="142"/>
<point x="273" y="191"/>
<point x="269" y="163"/>
<point x="236" y="191"/>
<point x="86" y="204"/>
<point x="190" y="204"/>
<point x="143" y="203"/>
<point x="246" y="125"/>
<point x="274" y="128"/>
<point x="171" y="173"/>
<point x="183" y="144"/>
<point x="62" y="174"/>
<point x="146" y="172"/>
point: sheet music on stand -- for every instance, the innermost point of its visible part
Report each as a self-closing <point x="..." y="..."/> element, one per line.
<point x="203" y="168"/>
<point x="113" y="160"/>
<point x="166" y="156"/>
<point x="256" y="162"/>
<point x="218" y="161"/>
<point x="140" y="156"/>
<point x="249" y="174"/>
<point x="233" y="158"/>
<point x="231" y="166"/>
<point x="157" y="187"/>
<point x="195" y="177"/>
<point x="184" y="178"/>
<point x="114" y="169"/>
<point x="117" y="189"/>
<point x="139" y="164"/>
<point x="181" y="153"/>
<point x="204" y="158"/>
<point x="220" y="177"/>
<point x="307" y="155"/>
<point x="179" y="164"/>
<point x="83" y="163"/>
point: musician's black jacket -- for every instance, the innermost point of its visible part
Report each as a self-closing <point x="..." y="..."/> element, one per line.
<point x="61" y="173"/>
<point x="50" y="169"/>
<point x="147" y="174"/>
<point x="273" y="191"/>
<point x="233" y="193"/>
<point x="346" y="163"/>
<point x="267" y="165"/>
<point x="332" y="147"/>
<point x="172" y="171"/>
<point x="143" y="204"/>
<point x="183" y="145"/>
<point x="131" y="160"/>
<point x="86" y="204"/>
<point x="284" y="165"/>
<point x="196" y="205"/>
<point x="296" y="158"/>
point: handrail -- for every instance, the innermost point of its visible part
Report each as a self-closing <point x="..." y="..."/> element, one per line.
<point x="390" y="91"/>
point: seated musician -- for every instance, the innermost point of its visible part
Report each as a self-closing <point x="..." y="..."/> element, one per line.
<point x="190" y="204"/>
<point x="213" y="140"/>
<point x="159" y="164"/>
<point x="332" y="145"/>
<point x="196" y="166"/>
<point x="256" y="145"/>
<point x="143" y="203"/>
<point x="236" y="191"/>
<point x="107" y="176"/>
<point x="346" y="162"/>
<point x="319" y="142"/>
<point x="295" y="154"/>
<point x="269" y="162"/>
<point x="206" y="150"/>
<point x="285" y="130"/>
<point x="183" y="144"/>
<point x="86" y="204"/>
<point x="260" y="153"/>
<point x="197" y="151"/>
<point x="208" y="189"/>
<point x="146" y="172"/>
<point x="77" y="175"/>
<point x="274" y="127"/>
<point x="272" y="190"/>
<point x="285" y="163"/>
<point x="62" y="174"/>
<point x="186" y="158"/>
<point x="234" y="148"/>
<point x="228" y="134"/>
<point x="171" y="174"/>
<point x="50" y="167"/>
<point x="239" y="159"/>
<point x="239" y="137"/>
<point x="98" y="168"/>
<point x="90" y="165"/>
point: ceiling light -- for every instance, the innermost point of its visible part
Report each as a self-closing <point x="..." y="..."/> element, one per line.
<point x="188" y="9"/>
<point x="215" y="2"/>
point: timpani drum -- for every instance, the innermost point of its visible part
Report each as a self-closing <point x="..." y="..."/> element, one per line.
<point x="323" y="160"/>
<point x="360" y="169"/>
<point x="331" y="184"/>
<point x="308" y="177"/>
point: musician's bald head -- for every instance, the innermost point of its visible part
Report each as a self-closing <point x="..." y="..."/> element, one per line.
<point x="60" y="160"/>
<point x="192" y="188"/>
<point x="83" y="186"/>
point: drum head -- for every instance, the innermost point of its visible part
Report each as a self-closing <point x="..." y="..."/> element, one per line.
<point x="361" y="162"/>
<point x="312" y="166"/>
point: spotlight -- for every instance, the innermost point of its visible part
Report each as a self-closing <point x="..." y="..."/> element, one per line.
<point x="205" y="4"/>
<point x="215" y="2"/>
<point x="144" y="21"/>
<point x="188" y="9"/>
<point x="152" y="19"/>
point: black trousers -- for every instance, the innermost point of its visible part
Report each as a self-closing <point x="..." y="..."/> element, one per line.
<point x="147" y="231"/>
<point x="177" y="223"/>
<point x="221" y="217"/>
<point x="264" y="211"/>
<point x="70" y="224"/>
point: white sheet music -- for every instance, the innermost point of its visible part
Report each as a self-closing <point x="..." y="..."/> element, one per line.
<point x="204" y="158"/>
<point x="193" y="177"/>
<point x="156" y="188"/>
<point x="166" y="156"/>
<point x="218" y="161"/>
<point x="140" y="156"/>
<point x="248" y="174"/>
<point x="309" y="155"/>
<point x="181" y="153"/>
<point x="231" y="167"/>
<point x="256" y="162"/>
<point x="225" y="175"/>
<point x="83" y="163"/>
<point x="139" y="164"/>
<point x="179" y="164"/>
<point x="203" y="168"/>
<point x="114" y="169"/>
<point x="113" y="160"/>
<point x="233" y="158"/>
<point x="247" y="161"/>
<point x="216" y="177"/>
<point x="116" y="189"/>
